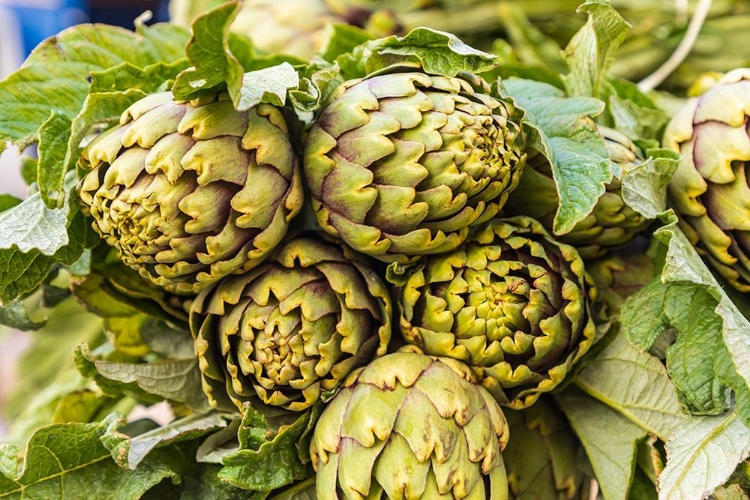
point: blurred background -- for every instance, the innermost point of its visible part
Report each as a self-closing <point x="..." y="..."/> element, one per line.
<point x="23" y="25"/>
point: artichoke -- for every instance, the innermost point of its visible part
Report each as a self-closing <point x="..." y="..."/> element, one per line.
<point x="293" y="27"/>
<point x="611" y="223"/>
<point x="411" y="426"/>
<point x="512" y="303"/>
<point x="290" y="331"/>
<point x="711" y="188"/>
<point x="403" y="164"/>
<point x="190" y="192"/>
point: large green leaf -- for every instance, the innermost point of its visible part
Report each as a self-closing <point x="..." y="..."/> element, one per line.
<point x="69" y="462"/>
<point x="702" y="455"/>
<point x="174" y="380"/>
<point x="610" y="439"/>
<point x="34" y="238"/>
<point x="712" y="350"/>
<point x="634" y="384"/>
<point x="569" y="138"/>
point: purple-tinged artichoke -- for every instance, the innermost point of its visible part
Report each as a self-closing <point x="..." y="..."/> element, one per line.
<point x="405" y="164"/>
<point x="711" y="188"/>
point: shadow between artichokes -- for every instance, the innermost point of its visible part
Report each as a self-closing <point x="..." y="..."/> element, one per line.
<point x="411" y="426"/>
<point x="403" y="164"/>
<point x="289" y="332"/>
<point x="190" y="192"/>
<point x="511" y="302"/>
<point x="711" y="188"/>
<point x="611" y="223"/>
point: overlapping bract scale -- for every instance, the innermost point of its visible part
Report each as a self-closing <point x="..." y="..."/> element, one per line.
<point x="404" y="164"/>
<point x="511" y="302"/>
<point x="189" y="192"/>
<point x="411" y="426"/>
<point x="289" y="332"/>
<point x="711" y="187"/>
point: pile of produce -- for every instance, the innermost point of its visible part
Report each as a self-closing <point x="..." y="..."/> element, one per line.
<point x="307" y="249"/>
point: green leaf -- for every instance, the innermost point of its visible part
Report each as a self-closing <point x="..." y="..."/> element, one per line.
<point x="127" y="76"/>
<point x="712" y="350"/>
<point x="81" y="406"/>
<point x="541" y="457"/>
<point x="208" y="51"/>
<point x="644" y="187"/>
<point x="633" y="113"/>
<point x="54" y="135"/>
<point x="642" y="488"/>
<point x="129" y="306"/>
<point x="731" y="492"/>
<point x="590" y="52"/>
<point x="129" y="452"/>
<point x="211" y="51"/>
<point x="611" y="441"/>
<point x="566" y="135"/>
<point x="33" y="238"/>
<point x="68" y="461"/>
<point x="437" y="52"/>
<point x="14" y="315"/>
<point x="173" y="380"/>
<point x="702" y="455"/>
<point x="265" y="464"/>
<point x="8" y="201"/>
<point x="55" y="75"/>
<point x="635" y="385"/>
<point x="317" y="82"/>
<point x="28" y="168"/>
<point x="342" y="38"/>
<point x="199" y="482"/>
<point x="268" y="85"/>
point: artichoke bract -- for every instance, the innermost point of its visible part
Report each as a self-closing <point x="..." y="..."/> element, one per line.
<point x="290" y="331"/>
<point x="710" y="190"/>
<point x="512" y="303"/>
<point x="189" y="192"/>
<point x="411" y="426"/>
<point x="611" y="223"/>
<point x="404" y="164"/>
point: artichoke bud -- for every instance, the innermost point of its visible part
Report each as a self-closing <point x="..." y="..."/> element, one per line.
<point x="710" y="190"/>
<point x="511" y="302"/>
<point x="295" y="27"/>
<point x="190" y="192"/>
<point x="290" y="331"/>
<point x="611" y="223"/>
<point x="411" y="426"/>
<point x="404" y="164"/>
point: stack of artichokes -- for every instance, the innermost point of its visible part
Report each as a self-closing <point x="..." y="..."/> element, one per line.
<point x="403" y="167"/>
<point x="357" y="261"/>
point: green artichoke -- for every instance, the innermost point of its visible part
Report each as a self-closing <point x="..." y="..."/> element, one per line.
<point x="293" y="27"/>
<point x="611" y="223"/>
<point x="512" y="303"/>
<point x="190" y="192"/>
<point x="290" y="331"/>
<point x="403" y="164"/>
<point x="411" y="426"/>
<point x="711" y="188"/>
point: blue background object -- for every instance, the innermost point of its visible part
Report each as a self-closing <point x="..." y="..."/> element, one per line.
<point x="40" y="19"/>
